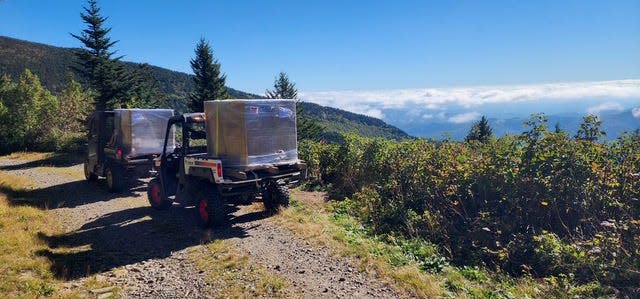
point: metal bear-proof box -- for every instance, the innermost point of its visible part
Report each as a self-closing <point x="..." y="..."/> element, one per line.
<point x="252" y="133"/>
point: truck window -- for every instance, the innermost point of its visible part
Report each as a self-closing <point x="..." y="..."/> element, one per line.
<point x="197" y="137"/>
<point x="93" y="128"/>
<point x="109" y="134"/>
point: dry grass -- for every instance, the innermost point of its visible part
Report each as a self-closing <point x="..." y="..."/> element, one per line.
<point x="24" y="273"/>
<point x="315" y="222"/>
<point x="235" y="274"/>
<point x="67" y="171"/>
<point x="14" y="183"/>
<point x="31" y="156"/>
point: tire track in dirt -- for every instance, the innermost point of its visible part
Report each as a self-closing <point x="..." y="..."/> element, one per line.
<point x="313" y="270"/>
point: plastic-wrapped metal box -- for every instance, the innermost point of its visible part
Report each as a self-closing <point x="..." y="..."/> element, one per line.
<point x="140" y="132"/>
<point x="252" y="133"/>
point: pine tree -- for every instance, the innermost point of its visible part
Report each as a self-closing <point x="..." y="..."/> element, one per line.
<point x="480" y="131"/>
<point x="210" y="85"/>
<point x="105" y="74"/>
<point x="283" y="88"/>
<point x="146" y="90"/>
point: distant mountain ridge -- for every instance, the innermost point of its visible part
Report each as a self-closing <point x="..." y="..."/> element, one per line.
<point x="614" y="123"/>
<point x="52" y="64"/>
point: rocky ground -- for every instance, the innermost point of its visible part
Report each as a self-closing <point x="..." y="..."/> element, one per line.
<point x="119" y="239"/>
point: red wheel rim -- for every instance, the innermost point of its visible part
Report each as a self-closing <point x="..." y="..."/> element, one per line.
<point x="155" y="194"/>
<point x="202" y="210"/>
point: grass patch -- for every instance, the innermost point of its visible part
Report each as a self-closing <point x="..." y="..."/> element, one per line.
<point x="35" y="159"/>
<point x="32" y="156"/>
<point x="236" y="275"/>
<point x="23" y="272"/>
<point x="13" y="183"/>
<point x="67" y="171"/>
<point x="414" y="266"/>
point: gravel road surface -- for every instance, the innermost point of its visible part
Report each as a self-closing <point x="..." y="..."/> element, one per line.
<point x="118" y="238"/>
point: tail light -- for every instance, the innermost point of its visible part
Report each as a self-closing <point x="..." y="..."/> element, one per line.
<point x="119" y="153"/>
<point x="219" y="170"/>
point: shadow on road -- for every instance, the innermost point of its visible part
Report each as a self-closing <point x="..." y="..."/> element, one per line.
<point x="118" y="238"/>
<point x="70" y="195"/>
<point x="130" y="236"/>
<point x="56" y="160"/>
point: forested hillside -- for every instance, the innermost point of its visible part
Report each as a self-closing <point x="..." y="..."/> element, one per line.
<point x="52" y="64"/>
<point x="337" y="121"/>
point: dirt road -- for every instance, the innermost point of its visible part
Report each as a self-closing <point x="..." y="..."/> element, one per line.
<point x="118" y="238"/>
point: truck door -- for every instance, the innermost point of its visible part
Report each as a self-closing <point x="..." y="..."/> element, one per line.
<point x="92" y="141"/>
<point x="106" y="135"/>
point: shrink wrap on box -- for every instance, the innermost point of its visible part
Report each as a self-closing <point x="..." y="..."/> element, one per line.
<point x="140" y="132"/>
<point x="252" y="133"/>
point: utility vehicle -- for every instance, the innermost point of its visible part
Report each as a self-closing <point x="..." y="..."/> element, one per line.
<point x="122" y="144"/>
<point x="235" y="149"/>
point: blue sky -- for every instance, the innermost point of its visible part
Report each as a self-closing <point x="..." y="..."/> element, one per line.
<point x="361" y="45"/>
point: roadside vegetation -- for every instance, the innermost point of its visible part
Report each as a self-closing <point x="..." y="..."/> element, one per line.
<point x="401" y="262"/>
<point x="562" y="210"/>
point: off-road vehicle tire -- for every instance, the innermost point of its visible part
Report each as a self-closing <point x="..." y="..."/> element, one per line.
<point x="115" y="179"/>
<point x="154" y="195"/>
<point x="210" y="209"/>
<point x="275" y="196"/>
<point x="88" y="173"/>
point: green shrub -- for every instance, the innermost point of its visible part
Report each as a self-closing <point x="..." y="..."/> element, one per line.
<point x="541" y="203"/>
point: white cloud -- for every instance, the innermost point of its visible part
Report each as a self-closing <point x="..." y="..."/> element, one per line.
<point x="608" y="106"/>
<point x="428" y="116"/>
<point x="374" y="101"/>
<point x="464" y="117"/>
<point x="377" y="113"/>
<point x="369" y="111"/>
<point x="635" y="112"/>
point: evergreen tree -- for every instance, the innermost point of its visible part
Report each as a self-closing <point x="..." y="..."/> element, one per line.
<point x="146" y="90"/>
<point x="589" y="129"/>
<point x="106" y="75"/>
<point x="210" y="85"/>
<point x="480" y="131"/>
<point x="283" y="88"/>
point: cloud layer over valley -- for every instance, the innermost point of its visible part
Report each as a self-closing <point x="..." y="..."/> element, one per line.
<point x="617" y="95"/>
